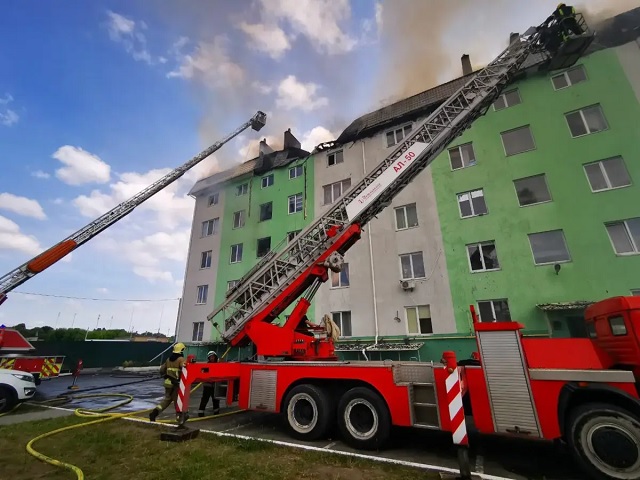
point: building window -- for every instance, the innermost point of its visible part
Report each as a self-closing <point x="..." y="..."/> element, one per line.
<point x="264" y="245"/>
<point x="607" y="174"/>
<point x="267" y="181"/>
<point x="205" y="259"/>
<point x="570" y="77"/>
<point x="396" y="135"/>
<point x="341" y="278"/>
<point x="238" y="219"/>
<point x="586" y="121"/>
<point x="242" y="189"/>
<point x="213" y="199"/>
<point x="335" y="158"/>
<point x="419" y="320"/>
<point x="518" y="140"/>
<point x="472" y="203"/>
<point x="210" y="227"/>
<point x="507" y="100"/>
<point x="483" y="257"/>
<point x="266" y="211"/>
<point x="295" y="203"/>
<point x="462" y="156"/>
<point x="198" y="331"/>
<point x="532" y="190"/>
<point x="625" y="236"/>
<point x="203" y="291"/>
<point x="549" y="247"/>
<point x="334" y="191"/>
<point x="292" y="235"/>
<point x="295" y="172"/>
<point x="343" y="320"/>
<point x="231" y="284"/>
<point x="412" y="266"/>
<point x="236" y="253"/>
<point x="494" y="310"/>
<point x="406" y="217"/>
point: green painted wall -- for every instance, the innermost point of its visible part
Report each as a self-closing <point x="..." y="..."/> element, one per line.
<point x="595" y="271"/>
<point x="253" y="229"/>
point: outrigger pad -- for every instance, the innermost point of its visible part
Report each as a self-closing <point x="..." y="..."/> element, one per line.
<point x="180" y="434"/>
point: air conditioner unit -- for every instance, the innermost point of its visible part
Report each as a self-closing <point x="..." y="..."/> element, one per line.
<point x="408" y="284"/>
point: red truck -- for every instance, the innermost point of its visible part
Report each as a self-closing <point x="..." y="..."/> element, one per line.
<point x="13" y="357"/>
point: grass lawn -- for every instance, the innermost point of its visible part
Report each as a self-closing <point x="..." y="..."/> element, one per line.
<point x="119" y="449"/>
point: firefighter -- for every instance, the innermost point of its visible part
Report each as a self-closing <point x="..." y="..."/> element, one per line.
<point x="565" y="15"/>
<point x="208" y="390"/>
<point x="170" y="370"/>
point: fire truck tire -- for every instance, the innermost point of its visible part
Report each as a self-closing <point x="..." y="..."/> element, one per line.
<point x="605" y="441"/>
<point x="309" y="412"/>
<point x="363" y="419"/>
<point x="8" y="399"/>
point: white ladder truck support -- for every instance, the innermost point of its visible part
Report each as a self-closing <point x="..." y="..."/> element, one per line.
<point x="36" y="265"/>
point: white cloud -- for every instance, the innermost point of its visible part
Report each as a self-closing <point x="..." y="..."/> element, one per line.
<point x="21" y="205"/>
<point x="81" y="166"/>
<point x="128" y="33"/>
<point x="316" y="136"/>
<point x="7" y="116"/>
<point x="294" y="94"/>
<point x="11" y="238"/>
<point x="269" y="39"/>
<point x="40" y="174"/>
<point x="261" y="87"/>
<point x="58" y="201"/>
<point x="102" y="290"/>
<point x="210" y="64"/>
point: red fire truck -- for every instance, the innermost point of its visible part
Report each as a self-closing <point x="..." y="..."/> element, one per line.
<point x="13" y="357"/>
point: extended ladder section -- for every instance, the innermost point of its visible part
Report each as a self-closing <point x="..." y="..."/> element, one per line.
<point x="36" y="265"/>
<point x="269" y="279"/>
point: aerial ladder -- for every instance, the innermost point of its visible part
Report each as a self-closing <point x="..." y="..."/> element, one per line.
<point x="38" y="264"/>
<point x="298" y="268"/>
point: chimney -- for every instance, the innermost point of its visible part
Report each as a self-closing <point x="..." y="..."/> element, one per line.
<point x="290" y="141"/>
<point x="466" y="65"/>
<point x="264" y="148"/>
<point x="513" y="37"/>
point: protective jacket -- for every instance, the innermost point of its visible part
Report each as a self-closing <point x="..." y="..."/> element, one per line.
<point x="170" y="370"/>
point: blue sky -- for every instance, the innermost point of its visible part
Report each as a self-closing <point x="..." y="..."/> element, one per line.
<point x="97" y="100"/>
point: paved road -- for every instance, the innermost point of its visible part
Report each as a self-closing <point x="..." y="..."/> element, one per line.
<point x="511" y="458"/>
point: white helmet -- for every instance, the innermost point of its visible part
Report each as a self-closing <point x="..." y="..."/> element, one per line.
<point x="212" y="353"/>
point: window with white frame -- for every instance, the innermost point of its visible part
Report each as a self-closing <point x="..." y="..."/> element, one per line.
<point x="532" y="190"/>
<point x="340" y="279"/>
<point x="635" y="292"/>
<point x="335" y="158"/>
<point x="267" y="181"/>
<point x="231" y="284"/>
<point x="419" y="320"/>
<point x="295" y="172"/>
<point x="210" y="227"/>
<point x="483" y="257"/>
<point x="292" y="235"/>
<point x="295" y="203"/>
<point x="242" y="189"/>
<point x="566" y="79"/>
<point x="205" y="259"/>
<point x="334" y="191"/>
<point x="238" y="219"/>
<point x="586" y="121"/>
<point x="203" y="291"/>
<point x="406" y="216"/>
<point x="462" y="156"/>
<point x="494" y="310"/>
<point x="213" y="199"/>
<point x="198" y="331"/>
<point x="236" y="253"/>
<point x="607" y="174"/>
<point x="549" y="247"/>
<point x="518" y="140"/>
<point x="343" y="320"/>
<point x="625" y="236"/>
<point x="266" y="211"/>
<point x="396" y="135"/>
<point x="506" y="100"/>
<point x="264" y="245"/>
<point x="412" y="266"/>
<point x="472" y="203"/>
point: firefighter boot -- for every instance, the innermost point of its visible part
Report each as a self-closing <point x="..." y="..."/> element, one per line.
<point x="153" y="414"/>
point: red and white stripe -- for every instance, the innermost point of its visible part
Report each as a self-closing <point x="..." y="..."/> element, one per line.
<point x="181" y="391"/>
<point x="456" y="410"/>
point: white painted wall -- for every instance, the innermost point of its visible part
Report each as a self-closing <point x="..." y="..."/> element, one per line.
<point x="629" y="58"/>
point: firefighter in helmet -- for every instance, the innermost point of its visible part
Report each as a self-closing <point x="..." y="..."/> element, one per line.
<point x="208" y="389"/>
<point x="565" y="15"/>
<point x="170" y="370"/>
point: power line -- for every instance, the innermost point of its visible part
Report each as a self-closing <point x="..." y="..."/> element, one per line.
<point x="99" y="299"/>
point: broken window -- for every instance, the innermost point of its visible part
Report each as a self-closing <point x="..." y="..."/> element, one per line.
<point x="483" y="257"/>
<point x="335" y="158"/>
<point x="532" y="190"/>
<point x="266" y="211"/>
<point x="264" y="245"/>
<point x="462" y="156"/>
<point x="494" y="310"/>
<point x="419" y="319"/>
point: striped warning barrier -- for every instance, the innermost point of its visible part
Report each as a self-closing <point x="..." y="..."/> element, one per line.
<point x="7" y="363"/>
<point x="182" y="401"/>
<point x="456" y="410"/>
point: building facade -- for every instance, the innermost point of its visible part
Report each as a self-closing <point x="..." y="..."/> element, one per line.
<point x="531" y="214"/>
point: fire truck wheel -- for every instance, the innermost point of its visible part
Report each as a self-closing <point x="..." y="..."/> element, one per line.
<point x="7" y="399"/>
<point x="605" y="440"/>
<point x="309" y="412"/>
<point x="363" y="419"/>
